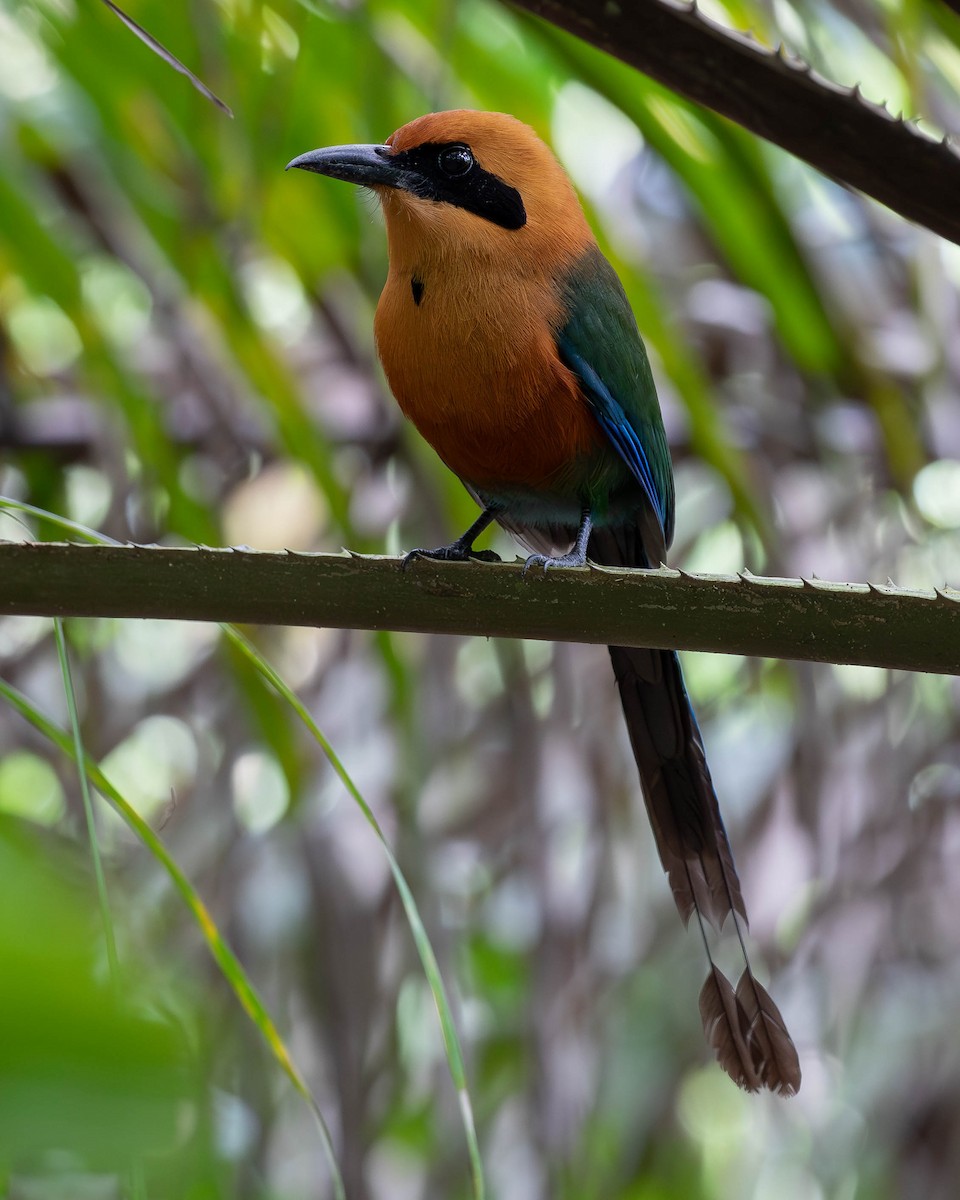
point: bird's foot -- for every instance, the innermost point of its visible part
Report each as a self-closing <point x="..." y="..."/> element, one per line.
<point x="458" y="551"/>
<point x="545" y="561"/>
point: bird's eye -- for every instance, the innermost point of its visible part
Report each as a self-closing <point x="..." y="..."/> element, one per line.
<point x="456" y="160"/>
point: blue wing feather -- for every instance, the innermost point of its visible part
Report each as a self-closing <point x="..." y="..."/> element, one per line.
<point x="615" y="424"/>
<point x="601" y="344"/>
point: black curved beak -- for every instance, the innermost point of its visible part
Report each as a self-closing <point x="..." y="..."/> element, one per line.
<point x="368" y="166"/>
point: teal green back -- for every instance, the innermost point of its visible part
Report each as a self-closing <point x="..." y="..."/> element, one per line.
<point x="602" y="345"/>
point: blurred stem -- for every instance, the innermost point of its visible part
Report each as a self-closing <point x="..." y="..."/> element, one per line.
<point x="137" y="1184"/>
<point x="79" y="755"/>
<point x="741" y="614"/>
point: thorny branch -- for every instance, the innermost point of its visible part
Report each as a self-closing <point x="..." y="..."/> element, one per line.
<point x="779" y="97"/>
<point x="865" y="624"/>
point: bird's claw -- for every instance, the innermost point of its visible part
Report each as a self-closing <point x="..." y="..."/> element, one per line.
<point x="546" y="561"/>
<point x="455" y="552"/>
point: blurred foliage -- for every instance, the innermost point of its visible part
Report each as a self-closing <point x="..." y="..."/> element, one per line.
<point x="105" y="1076"/>
<point x="186" y="354"/>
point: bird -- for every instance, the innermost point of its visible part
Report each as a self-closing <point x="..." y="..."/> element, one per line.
<point x="507" y="339"/>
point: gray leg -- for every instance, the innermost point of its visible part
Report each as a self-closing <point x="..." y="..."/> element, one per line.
<point x="462" y="549"/>
<point x="577" y="557"/>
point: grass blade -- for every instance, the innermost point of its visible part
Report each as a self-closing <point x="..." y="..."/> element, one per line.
<point x="224" y="957"/>
<point x="81" y="531"/>
<point x="431" y="968"/>
<point x="158" y="48"/>
<point x="79" y="755"/>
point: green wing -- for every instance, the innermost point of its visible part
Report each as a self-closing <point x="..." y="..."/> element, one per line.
<point x="601" y="344"/>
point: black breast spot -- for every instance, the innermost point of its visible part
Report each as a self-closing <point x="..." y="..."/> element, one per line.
<point x="416" y="287"/>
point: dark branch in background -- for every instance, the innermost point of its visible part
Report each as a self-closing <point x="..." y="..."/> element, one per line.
<point x="770" y="618"/>
<point x="778" y="97"/>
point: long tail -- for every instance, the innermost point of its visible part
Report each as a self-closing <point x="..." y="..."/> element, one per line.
<point x="743" y="1026"/>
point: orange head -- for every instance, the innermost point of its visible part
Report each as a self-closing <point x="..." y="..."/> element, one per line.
<point x="465" y="183"/>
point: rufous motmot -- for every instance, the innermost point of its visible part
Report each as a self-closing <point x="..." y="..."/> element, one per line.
<point x="507" y="339"/>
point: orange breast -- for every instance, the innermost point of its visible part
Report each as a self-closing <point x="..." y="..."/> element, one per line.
<point x="476" y="370"/>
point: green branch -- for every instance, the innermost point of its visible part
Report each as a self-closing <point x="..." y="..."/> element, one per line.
<point x="769" y="618"/>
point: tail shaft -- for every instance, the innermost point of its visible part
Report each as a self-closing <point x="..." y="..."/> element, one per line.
<point x="744" y="1025"/>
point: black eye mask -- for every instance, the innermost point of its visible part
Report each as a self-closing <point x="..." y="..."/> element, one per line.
<point x="448" y="173"/>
